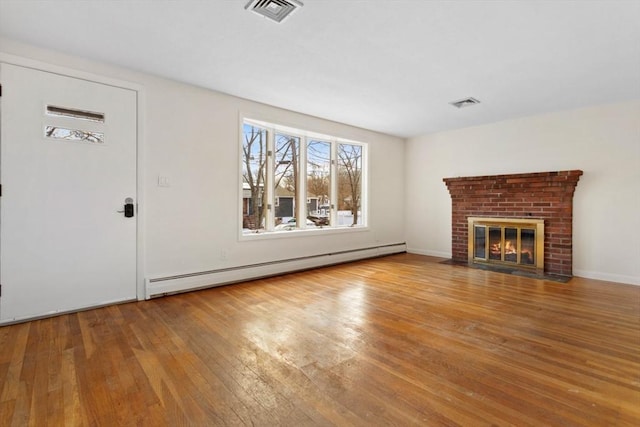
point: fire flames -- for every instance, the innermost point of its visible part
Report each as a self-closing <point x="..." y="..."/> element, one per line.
<point x="509" y="249"/>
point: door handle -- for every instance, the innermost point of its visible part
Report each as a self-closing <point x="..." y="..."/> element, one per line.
<point x="128" y="208"/>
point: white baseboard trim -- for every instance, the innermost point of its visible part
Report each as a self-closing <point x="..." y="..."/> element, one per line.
<point x="618" y="278"/>
<point x="160" y="286"/>
<point x="429" y="252"/>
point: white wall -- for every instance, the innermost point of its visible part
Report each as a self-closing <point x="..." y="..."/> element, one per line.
<point x="192" y="137"/>
<point x="191" y="222"/>
<point x="603" y="141"/>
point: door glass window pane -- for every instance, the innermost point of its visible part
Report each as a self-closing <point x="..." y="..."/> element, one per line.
<point x="75" y="113"/>
<point x="319" y="182"/>
<point x="78" y="135"/>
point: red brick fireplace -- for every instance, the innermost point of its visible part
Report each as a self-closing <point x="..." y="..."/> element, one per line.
<point x="546" y="196"/>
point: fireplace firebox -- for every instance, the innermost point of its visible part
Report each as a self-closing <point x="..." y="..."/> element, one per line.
<point x="509" y="242"/>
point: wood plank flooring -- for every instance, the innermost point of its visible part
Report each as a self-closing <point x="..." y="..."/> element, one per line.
<point x="402" y="340"/>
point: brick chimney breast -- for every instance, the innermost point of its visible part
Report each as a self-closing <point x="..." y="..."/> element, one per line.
<point x="539" y="195"/>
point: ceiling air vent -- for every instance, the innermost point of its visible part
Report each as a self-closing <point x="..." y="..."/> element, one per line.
<point x="276" y="10"/>
<point x="465" y="102"/>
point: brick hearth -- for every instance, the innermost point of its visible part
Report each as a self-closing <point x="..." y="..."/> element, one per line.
<point x="541" y="195"/>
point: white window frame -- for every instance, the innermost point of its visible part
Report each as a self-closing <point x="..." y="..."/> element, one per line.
<point x="302" y="230"/>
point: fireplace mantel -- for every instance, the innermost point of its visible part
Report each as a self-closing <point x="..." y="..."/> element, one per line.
<point x="547" y="196"/>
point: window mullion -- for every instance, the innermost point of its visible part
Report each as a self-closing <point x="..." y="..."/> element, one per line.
<point x="364" y="186"/>
<point x="301" y="219"/>
<point x="333" y="211"/>
<point x="270" y="216"/>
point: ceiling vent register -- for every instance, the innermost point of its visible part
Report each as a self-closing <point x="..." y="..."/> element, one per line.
<point x="276" y="10"/>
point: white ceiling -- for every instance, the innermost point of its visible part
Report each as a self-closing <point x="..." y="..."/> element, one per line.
<point x="391" y="66"/>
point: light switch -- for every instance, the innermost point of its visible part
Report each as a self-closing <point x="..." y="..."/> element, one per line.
<point x="163" y="181"/>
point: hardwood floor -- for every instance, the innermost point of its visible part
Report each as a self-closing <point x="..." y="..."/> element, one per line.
<point x="401" y="340"/>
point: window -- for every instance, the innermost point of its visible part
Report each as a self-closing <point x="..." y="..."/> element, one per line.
<point x="74" y="113"/>
<point x="298" y="180"/>
<point x="57" y="132"/>
<point x="319" y="182"/>
<point x="286" y="168"/>
<point x="349" y="176"/>
<point x="74" y="134"/>
<point x="254" y="159"/>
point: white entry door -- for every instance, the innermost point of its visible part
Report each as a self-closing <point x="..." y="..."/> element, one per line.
<point x="67" y="165"/>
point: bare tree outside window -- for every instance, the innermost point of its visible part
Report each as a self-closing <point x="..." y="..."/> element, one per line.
<point x="286" y="166"/>
<point x="291" y="175"/>
<point x="319" y="182"/>
<point x="74" y="134"/>
<point x="254" y="159"/>
<point x="349" y="175"/>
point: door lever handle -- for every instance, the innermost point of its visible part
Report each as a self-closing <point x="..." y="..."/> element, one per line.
<point x="128" y="208"/>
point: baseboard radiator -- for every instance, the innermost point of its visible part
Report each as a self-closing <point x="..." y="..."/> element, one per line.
<point x="160" y="286"/>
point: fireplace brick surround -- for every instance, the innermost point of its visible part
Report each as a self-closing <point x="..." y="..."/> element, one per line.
<point x="540" y="195"/>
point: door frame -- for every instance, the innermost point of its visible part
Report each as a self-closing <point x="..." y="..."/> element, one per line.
<point x="140" y="124"/>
